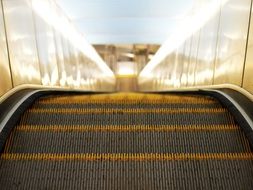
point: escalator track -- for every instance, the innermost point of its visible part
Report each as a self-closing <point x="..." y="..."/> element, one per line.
<point x="127" y="141"/>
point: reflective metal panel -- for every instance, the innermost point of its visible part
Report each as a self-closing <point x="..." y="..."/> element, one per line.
<point x="70" y="63"/>
<point x="167" y="71"/>
<point x="248" y="78"/>
<point x="193" y="59"/>
<point x="5" y="77"/>
<point x="187" y="50"/>
<point x="22" y="43"/>
<point x="178" y="68"/>
<point x="66" y="56"/>
<point x="232" y="42"/>
<point x="60" y="58"/>
<point x="46" y="52"/>
<point x="61" y="53"/>
<point x="207" y="52"/>
<point x="83" y="70"/>
<point x="217" y="56"/>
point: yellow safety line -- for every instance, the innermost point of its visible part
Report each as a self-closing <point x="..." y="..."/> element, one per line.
<point x="131" y="95"/>
<point x="144" y="128"/>
<point x="128" y="111"/>
<point x="122" y="97"/>
<point x="127" y="98"/>
<point x="125" y="102"/>
<point x="127" y="157"/>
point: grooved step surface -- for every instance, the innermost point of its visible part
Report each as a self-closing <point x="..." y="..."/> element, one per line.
<point x="127" y="141"/>
<point x="32" y="118"/>
<point x="211" y="174"/>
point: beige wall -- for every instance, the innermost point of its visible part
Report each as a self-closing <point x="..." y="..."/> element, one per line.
<point x="46" y="49"/>
<point x="213" y="54"/>
<point x="232" y="38"/>
<point x="22" y="43"/>
<point x="207" y="52"/>
<point x="5" y="76"/>
<point x="248" y="73"/>
<point x="126" y="84"/>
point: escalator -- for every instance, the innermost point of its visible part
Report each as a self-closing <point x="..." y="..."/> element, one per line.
<point x="127" y="141"/>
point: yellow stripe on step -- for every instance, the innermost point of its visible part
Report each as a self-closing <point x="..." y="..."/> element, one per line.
<point x="64" y="101"/>
<point x="127" y="157"/>
<point x="126" y="98"/>
<point x="138" y="128"/>
<point x="127" y="111"/>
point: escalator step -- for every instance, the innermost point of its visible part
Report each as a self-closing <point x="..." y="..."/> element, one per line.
<point x="130" y="142"/>
<point x="44" y="118"/>
<point x="127" y="141"/>
<point x="176" y="174"/>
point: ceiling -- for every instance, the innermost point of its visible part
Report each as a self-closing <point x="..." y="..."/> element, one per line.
<point x="127" y="21"/>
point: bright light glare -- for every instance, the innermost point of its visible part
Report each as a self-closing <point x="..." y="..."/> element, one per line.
<point x="46" y="79"/>
<point x="204" y="75"/>
<point x="189" y="27"/>
<point x="126" y="68"/>
<point x="131" y="55"/>
<point x="48" y="13"/>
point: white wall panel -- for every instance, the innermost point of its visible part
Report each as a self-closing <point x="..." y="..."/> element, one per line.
<point x="193" y="59"/>
<point x="207" y="52"/>
<point x="185" y="62"/>
<point x="232" y="42"/>
<point x="22" y="44"/>
<point x="213" y="54"/>
<point x="248" y="74"/>
<point x="5" y="76"/>
<point x="46" y="50"/>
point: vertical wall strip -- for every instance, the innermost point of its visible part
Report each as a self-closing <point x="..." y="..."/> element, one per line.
<point x="189" y="60"/>
<point x="58" y="61"/>
<point x="217" y="43"/>
<point x="197" y="55"/>
<point x="247" y="43"/>
<point x="53" y="30"/>
<point x="36" y="40"/>
<point x="7" y="44"/>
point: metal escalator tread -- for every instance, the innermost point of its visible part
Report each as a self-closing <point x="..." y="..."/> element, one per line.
<point x="127" y="141"/>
